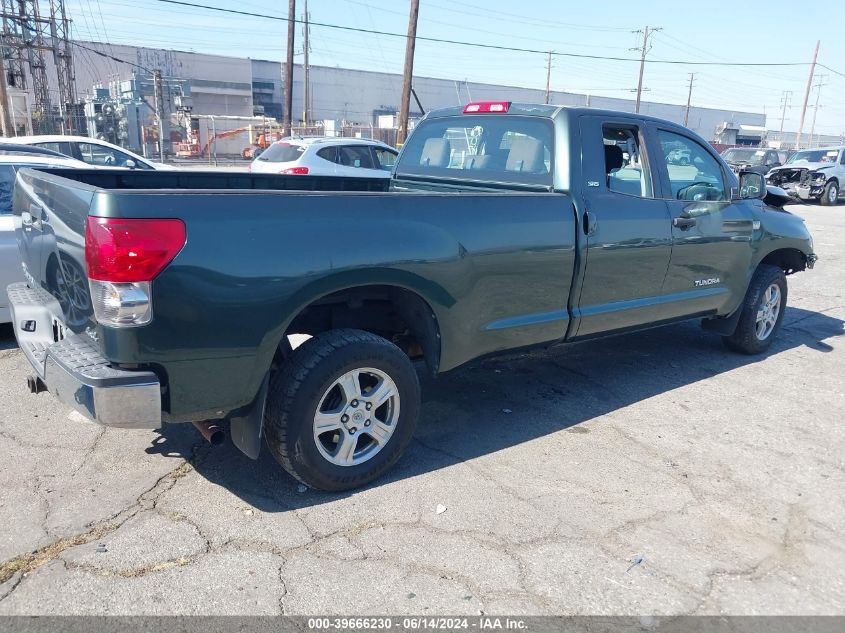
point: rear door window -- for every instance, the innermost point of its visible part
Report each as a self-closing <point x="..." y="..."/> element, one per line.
<point x="504" y="148"/>
<point x="61" y="148"/>
<point x="625" y="161"/>
<point x="282" y="153"/>
<point x="356" y="156"/>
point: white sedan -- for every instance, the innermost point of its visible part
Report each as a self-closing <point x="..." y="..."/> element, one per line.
<point x="94" y="152"/>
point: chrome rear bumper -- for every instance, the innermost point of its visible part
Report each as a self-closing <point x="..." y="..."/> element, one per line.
<point x="73" y="369"/>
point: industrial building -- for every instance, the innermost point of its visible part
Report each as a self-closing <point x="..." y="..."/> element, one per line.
<point x="200" y="85"/>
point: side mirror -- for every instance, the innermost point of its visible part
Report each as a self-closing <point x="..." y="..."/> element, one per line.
<point x="130" y="164"/>
<point x="752" y="186"/>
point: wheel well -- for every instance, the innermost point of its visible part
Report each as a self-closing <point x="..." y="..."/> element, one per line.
<point x="790" y="260"/>
<point x="394" y="313"/>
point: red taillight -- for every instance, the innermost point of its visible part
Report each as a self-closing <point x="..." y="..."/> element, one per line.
<point x="487" y="106"/>
<point x="298" y="171"/>
<point x="127" y="250"/>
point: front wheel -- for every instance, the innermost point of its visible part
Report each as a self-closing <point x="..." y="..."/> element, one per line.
<point x="830" y="195"/>
<point x="762" y="312"/>
<point x="342" y="409"/>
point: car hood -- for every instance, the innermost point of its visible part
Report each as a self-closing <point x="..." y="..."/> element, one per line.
<point x="803" y="164"/>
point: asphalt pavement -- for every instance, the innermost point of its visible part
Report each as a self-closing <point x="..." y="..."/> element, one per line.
<point x="654" y="473"/>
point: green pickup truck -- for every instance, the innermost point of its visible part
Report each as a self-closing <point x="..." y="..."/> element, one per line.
<point x="163" y="297"/>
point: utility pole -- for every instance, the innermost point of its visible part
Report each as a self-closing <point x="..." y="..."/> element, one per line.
<point x="807" y="95"/>
<point x="405" y="104"/>
<point x="818" y="87"/>
<point x="784" y="102"/>
<point x="289" y="69"/>
<point x="5" y="115"/>
<point x="689" y="98"/>
<point x="158" y="95"/>
<point x="549" y="78"/>
<point x="306" y="109"/>
<point x="644" y="50"/>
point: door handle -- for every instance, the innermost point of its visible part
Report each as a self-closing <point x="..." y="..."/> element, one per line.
<point x="683" y="223"/>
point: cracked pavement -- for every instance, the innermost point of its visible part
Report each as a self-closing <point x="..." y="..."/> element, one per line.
<point x="724" y="473"/>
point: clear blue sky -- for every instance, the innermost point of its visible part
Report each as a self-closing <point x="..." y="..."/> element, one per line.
<point x="715" y="31"/>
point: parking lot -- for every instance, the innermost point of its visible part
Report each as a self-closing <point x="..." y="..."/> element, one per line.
<point x="655" y="473"/>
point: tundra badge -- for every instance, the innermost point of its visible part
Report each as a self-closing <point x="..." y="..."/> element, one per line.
<point x="707" y="282"/>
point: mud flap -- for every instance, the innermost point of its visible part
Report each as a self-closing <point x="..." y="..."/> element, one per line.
<point x="723" y="325"/>
<point x="246" y="430"/>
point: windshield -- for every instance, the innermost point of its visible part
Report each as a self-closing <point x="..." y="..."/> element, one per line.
<point x="282" y="152"/>
<point x="750" y="156"/>
<point x="815" y="156"/>
<point x="501" y="149"/>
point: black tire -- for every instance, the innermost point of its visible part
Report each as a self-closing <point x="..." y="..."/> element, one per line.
<point x="297" y="390"/>
<point x="745" y="338"/>
<point x="830" y="195"/>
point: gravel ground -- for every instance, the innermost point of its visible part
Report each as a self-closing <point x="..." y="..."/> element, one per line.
<point x="558" y="470"/>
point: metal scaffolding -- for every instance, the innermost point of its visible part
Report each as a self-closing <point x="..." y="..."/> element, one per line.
<point x="26" y="40"/>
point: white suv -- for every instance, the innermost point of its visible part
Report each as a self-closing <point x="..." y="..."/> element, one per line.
<point x="326" y="156"/>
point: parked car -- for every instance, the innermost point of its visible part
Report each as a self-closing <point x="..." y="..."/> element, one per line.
<point x="758" y="160"/>
<point x="812" y="174"/>
<point x="92" y="151"/>
<point x="678" y="157"/>
<point x="10" y="258"/>
<point x="545" y="225"/>
<point x="326" y="156"/>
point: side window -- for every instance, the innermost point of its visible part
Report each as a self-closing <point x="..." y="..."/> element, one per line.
<point x="356" y="156"/>
<point x="842" y="160"/>
<point x="106" y="157"/>
<point x="772" y="158"/>
<point x="625" y="161"/>
<point x="385" y="158"/>
<point x="693" y="172"/>
<point x="328" y="153"/>
<point x="7" y="186"/>
<point x="56" y="147"/>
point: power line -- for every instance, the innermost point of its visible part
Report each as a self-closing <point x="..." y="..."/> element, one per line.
<point x="500" y="47"/>
<point x="111" y="57"/>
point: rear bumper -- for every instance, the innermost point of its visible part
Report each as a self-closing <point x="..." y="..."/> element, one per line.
<point x="73" y="369"/>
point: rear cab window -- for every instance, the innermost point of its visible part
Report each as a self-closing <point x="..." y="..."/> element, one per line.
<point x="282" y="152"/>
<point x="510" y="149"/>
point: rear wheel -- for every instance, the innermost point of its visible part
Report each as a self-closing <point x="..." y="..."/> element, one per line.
<point x="342" y="409"/>
<point x="830" y="195"/>
<point x="762" y="312"/>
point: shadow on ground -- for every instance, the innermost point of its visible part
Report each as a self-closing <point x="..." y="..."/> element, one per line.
<point x="545" y="392"/>
<point x="510" y="400"/>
